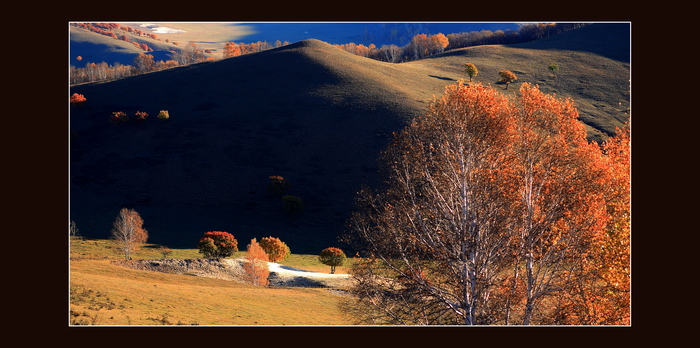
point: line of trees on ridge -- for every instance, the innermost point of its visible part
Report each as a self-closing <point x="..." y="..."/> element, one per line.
<point x="421" y="46"/>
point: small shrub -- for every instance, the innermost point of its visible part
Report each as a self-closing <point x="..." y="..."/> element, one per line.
<point x="292" y="204"/>
<point x="77" y="98"/>
<point x="165" y="251"/>
<point x="163" y="115"/>
<point x="140" y="116"/>
<point x="118" y="117"/>
<point x="278" y="185"/>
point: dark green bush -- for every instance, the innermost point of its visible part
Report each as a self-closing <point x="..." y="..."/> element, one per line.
<point x="292" y="204"/>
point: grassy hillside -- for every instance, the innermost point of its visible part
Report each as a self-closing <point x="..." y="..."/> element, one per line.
<point x="96" y="48"/>
<point x="308" y="111"/>
<point x="102" y="293"/>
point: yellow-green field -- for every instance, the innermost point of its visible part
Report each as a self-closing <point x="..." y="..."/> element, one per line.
<point x="102" y="293"/>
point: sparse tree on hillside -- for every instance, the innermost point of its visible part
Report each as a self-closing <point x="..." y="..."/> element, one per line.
<point x="553" y="68"/>
<point x="471" y="70"/>
<point x="256" y="266"/>
<point x="128" y="233"/>
<point x="507" y="77"/>
<point x="333" y="257"/>
<point x="276" y="249"/>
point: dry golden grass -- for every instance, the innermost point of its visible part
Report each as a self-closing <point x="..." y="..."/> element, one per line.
<point x="103" y="293"/>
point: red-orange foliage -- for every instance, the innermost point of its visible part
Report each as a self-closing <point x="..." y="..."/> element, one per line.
<point x="218" y="244"/>
<point x="140" y="116"/>
<point x="118" y="118"/>
<point x="77" y="98"/>
<point x="256" y="267"/>
<point x="523" y="219"/>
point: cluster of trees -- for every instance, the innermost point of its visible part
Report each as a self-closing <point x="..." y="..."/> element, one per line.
<point x="291" y="204"/>
<point x="496" y="211"/>
<point x="422" y="45"/>
<point x="232" y="49"/>
<point x="93" y="72"/>
<point x="108" y="29"/>
<point x="118" y="118"/>
<point x="128" y="235"/>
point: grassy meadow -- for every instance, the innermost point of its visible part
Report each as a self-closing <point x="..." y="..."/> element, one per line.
<point x="102" y="293"/>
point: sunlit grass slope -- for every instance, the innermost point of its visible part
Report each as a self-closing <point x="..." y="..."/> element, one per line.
<point x="102" y="293"/>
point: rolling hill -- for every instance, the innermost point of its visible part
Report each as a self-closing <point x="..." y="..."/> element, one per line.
<point x="308" y="111"/>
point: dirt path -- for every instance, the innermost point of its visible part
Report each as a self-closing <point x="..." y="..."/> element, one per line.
<point x="291" y="271"/>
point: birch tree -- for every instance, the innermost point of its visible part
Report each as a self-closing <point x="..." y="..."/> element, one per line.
<point x="492" y="211"/>
<point x="437" y="238"/>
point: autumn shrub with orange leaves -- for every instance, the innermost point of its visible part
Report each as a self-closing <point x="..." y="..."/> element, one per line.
<point x="118" y="118"/>
<point x="140" y="116"/>
<point x="276" y="249"/>
<point x="77" y="98"/>
<point x="163" y="115"/>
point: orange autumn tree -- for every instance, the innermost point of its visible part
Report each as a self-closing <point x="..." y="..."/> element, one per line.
<point x="561" y="210"/>
<point x="438" y="237"/>
<point x="493" y="211"/>
<point x="276" y="249"/>
<point x="256" y="267"/>
<point x="603" y="297"/>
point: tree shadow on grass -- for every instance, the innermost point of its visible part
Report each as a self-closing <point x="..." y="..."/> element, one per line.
<point x="443" y="78"/>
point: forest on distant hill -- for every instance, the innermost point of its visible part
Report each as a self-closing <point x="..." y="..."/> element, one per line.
<point x="420" y="46"/>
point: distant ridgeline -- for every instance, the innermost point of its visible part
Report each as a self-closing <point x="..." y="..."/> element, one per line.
<point x="420" y="46"/>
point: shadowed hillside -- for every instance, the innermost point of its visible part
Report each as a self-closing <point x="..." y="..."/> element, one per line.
<point x="309" y="112"/>
<point x="306" y="112"/>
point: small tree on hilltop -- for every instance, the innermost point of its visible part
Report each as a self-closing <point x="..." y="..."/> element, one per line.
<point x="292" y="204"/>
<point x="256" y="267"/>
<point x="332" y="257"/>
<point x="217" y="244"/>
<point x="275" y="249"/>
